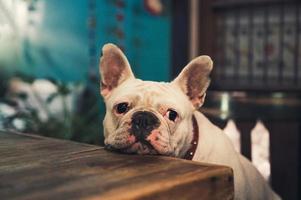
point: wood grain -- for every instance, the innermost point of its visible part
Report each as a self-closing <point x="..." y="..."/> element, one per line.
<point x="34" y="167"/>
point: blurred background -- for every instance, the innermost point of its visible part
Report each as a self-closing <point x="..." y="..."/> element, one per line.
<point x="49" y="81"/>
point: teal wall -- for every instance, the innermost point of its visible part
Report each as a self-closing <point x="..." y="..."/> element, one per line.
<point x="146" y="37"/>
<point x="62" y="40"/>
<point x="54" y="39"/>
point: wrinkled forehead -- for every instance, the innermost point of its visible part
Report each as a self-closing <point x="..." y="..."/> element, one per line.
<point x="149" y="93"/>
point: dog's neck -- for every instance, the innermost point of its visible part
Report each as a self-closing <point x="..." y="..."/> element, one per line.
<point x="190" y="140"/>
<point x="195" y="139"/>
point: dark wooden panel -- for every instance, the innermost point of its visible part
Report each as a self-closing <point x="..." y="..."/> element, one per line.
<point x="180" y="31"/>
<point x="207" y="29"/>
<point x="245" y="129"/>
<point x="34" y="167"/>
<point x="222" y="4"/>
<point x="284" y="148"/>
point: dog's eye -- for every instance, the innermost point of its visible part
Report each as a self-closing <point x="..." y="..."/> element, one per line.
<point x="122" y="108"/>
<point x="172" y="115"/>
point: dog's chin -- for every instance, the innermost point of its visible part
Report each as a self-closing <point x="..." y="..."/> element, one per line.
<point x="141" y="148"/>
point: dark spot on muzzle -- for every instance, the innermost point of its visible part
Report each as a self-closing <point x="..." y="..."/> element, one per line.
<point x="143" y="122"/>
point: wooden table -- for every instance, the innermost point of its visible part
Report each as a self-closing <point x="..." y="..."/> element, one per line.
<point x="35" y="167"/>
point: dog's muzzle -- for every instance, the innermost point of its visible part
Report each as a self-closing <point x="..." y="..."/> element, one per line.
<point x="143" y="122"/>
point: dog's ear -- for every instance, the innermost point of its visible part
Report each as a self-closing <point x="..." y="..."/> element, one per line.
<point x="114" y="69"/>
<point x="194" y="79"/>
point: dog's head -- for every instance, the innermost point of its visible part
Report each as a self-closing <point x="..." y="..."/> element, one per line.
<point x="148" y="117"/>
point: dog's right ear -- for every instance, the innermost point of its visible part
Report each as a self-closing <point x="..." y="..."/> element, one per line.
<point x="114" y="69"/>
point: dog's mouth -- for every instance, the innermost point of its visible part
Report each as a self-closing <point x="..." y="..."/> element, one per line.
<point x="138" y="147"/>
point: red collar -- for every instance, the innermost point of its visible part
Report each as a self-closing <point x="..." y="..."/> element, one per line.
<point x="194" y="142"/>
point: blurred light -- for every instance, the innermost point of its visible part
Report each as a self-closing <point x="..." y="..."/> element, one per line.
<point x="225" y="102"/>
<point x="6" y="110"/>
<point x="224" y="105"/>
<point x="19" y="124"/>
<point x="278" y="95"/>
<point x="21" y="15"/>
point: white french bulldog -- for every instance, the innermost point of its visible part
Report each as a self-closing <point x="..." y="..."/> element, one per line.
<point x="148" y="117"/>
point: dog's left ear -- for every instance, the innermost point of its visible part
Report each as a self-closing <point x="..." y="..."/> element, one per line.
<point x="194" y="79"/>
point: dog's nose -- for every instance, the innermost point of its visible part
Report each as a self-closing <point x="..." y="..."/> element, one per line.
<point x="143" y="122"/>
